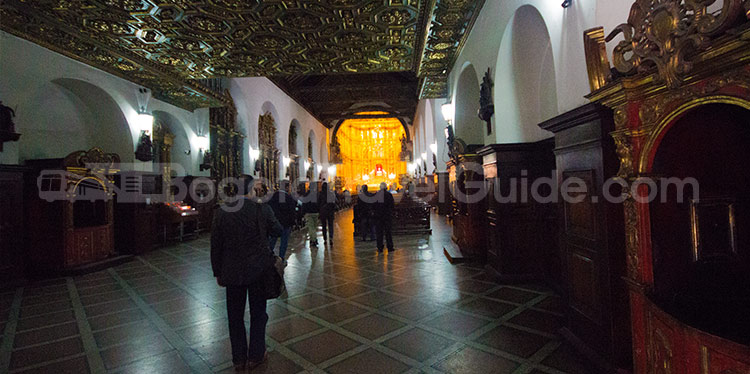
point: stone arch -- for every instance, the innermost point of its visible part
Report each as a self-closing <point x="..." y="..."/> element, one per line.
<point x="525" y="85"/>
<point x="181" y="141"/>
<point x="338" y="124"/>
<point x="467" y="125"/>
<point x="80" y="112"/>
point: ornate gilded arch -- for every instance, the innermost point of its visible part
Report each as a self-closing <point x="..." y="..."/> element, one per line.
<point x="269" y="152"/>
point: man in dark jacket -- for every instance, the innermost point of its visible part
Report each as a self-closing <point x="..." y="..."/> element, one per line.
<point x="311" y="209"/>
<point x="384" y="217"/>
<point x="284" y="208"/>
<point x="327" y="211"/>
<point x="239" y="255"/>
<point x="366" y="203"/>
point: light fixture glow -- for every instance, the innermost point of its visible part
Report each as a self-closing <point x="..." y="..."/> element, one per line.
<point x="202" y="142"/>
<point x="332" y="170"/>
<point x="254" y="153"/>
<point x="448" y="111"/>
<point x="320" y="168"/>
<point x="366" y="177"/>
<point x="307" y="165"/>
<point x="145" y="122"/>
<point x="424" y="156"/>
<point x="433" y="148"/>
<point x="287" y="161"/>
<point x="392" y="176"/>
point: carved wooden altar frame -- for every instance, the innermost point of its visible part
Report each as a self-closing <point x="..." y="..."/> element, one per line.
<point x="676" y="56"/>
<point x="269" y="153"/>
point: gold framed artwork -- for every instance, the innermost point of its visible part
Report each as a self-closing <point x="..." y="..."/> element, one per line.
<point x="713" y="228"/>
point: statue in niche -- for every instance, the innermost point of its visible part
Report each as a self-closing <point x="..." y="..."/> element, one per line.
<point x="6" y="119"/>
<point x="486" y="108"/>
<point x="335" y="151"/>
<point x="404" y="155"/>
<point x="7" y="127"/>
<point x="145" y="149"/>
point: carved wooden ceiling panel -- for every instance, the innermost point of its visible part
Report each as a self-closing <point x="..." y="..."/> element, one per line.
<point x="169" y="45"/>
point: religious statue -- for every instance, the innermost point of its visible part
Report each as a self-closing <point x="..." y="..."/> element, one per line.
<point x="335" y="151"/>
<point x="486" y="108"/>
<point x="6" y="119"/>
<point x="7" y="127"/>
<point x="206" y="164"/>
<point x="145" y="149"/>
<point x="404" y="155"/>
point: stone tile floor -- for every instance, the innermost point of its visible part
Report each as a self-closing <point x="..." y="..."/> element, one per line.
<point x="348" y="310"/>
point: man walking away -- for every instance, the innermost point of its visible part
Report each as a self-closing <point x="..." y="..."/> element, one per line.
<point x="367" y="213"/>
<point x="327" y="201"/>
<point x="384" y="217"/>
<point x="311" y="210"/>
<point x="239" y="254"/>
<point x="284" y="208"/>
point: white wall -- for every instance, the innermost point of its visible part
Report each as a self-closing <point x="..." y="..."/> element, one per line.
<point x="534" y="49"/>
<point x="63" y="106"/>
<point x="257" y="95"/>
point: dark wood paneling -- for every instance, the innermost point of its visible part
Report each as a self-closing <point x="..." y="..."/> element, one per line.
<point x="520" y="232"/>
<point x="12" y="228"/>
<point x="592" y="236"/>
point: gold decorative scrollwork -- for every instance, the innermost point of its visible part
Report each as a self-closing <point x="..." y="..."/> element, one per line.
<point x="621" y="118"/>
<point x="661" y="353"/>
<point x="631" y="237"/>
<point x="663" y="35"/>
<point x="624" y="153"/>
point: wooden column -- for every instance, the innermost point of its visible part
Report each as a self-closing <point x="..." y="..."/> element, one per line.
<point x="521" y="233"/>
<point x="592" y="236"/>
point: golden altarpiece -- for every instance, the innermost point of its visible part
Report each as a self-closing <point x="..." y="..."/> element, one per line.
<point x="226" y="143"/>
<point x="680" y="92"/>
<point x="269" y="153"/>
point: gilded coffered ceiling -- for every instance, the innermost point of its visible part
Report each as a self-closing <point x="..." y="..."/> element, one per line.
<point x="170" y="46"/>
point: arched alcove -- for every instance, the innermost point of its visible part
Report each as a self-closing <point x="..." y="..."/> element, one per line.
<point x="525" y="92"/>
<point x="294" y="149"/>
<point x="699" y="229"/>
<point x="83" y="114"/>
<point x="310" y="155"/>
<point x="467" y="125"/>
<point x="180" y="144"/>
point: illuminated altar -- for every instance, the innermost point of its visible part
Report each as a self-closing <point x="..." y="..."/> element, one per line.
<point x="369" y="152"/>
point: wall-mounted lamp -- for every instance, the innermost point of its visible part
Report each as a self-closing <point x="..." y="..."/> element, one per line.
<point x="448" y="112"/>
<point x="145" y="123"/>
<point x="424" y="156"/>
<point x="202" y="142"/>
<point x="433" y="148"/>
<point x="566" y="3"/>
<point x="287" y="161"/>
<point x="307" y="165"/>
<point x="144" y="150"/>
<point x="332" y="170"/>
<point x="254" y="156"/>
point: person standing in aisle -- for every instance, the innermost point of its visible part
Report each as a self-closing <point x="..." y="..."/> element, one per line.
<point x="384" y="217"/>
<point x="311" y="210"/>
<point x="240" y="253"/>
<point x="327" y="210"/>
<point x="284" y="207"/>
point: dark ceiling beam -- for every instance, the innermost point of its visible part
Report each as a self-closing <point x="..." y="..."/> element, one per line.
<point x="341" y="87"/>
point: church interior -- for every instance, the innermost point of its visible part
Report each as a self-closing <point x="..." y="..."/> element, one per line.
<point x="568" y="183"/>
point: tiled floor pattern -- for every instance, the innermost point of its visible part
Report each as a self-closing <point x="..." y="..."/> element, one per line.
<point x="348" y="310"/>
